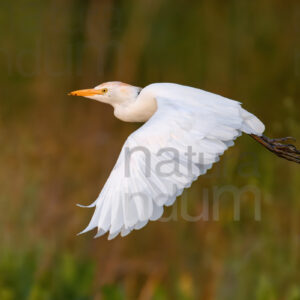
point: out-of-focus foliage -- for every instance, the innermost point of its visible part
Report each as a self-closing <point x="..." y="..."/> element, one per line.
<point x="57" y="151"/>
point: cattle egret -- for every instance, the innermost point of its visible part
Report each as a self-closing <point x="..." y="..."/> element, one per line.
<point x="186" y="131"/>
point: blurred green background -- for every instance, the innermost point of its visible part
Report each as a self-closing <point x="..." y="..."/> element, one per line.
<point x="57" y="151"/>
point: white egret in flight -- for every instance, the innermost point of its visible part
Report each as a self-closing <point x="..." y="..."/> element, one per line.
<point x="186" y="131"/>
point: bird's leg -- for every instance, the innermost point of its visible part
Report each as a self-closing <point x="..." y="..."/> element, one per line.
<point x="277" y="146"/>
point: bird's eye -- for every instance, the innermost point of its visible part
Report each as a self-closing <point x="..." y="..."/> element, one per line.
<point x="104" y="90"/>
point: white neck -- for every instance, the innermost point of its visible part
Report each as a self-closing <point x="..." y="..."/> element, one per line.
<point x="139" y="110"/>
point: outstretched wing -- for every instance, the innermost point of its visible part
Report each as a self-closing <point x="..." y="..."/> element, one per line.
<point x="186" y="135"/>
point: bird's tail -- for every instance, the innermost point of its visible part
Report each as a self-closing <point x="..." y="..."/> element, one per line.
<point x="251" y="124"/>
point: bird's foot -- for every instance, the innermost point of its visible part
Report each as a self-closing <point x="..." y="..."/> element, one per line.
<point x="279" y="140"/>
<point x="279" y="147"/>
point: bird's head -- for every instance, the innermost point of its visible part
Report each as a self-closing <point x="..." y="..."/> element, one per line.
<point x="113" y="93"/>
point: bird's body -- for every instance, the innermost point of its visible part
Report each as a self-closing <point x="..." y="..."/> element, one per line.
<point x="186" y="131"/>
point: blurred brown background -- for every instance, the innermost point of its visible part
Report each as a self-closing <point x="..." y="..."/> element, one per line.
<point x="57" y="151"/>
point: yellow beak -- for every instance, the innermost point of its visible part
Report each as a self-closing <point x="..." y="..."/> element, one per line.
<point x="84" y="93"/>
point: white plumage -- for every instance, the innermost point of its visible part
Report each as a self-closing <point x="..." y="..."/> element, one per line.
<point x="180" y="119"/>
